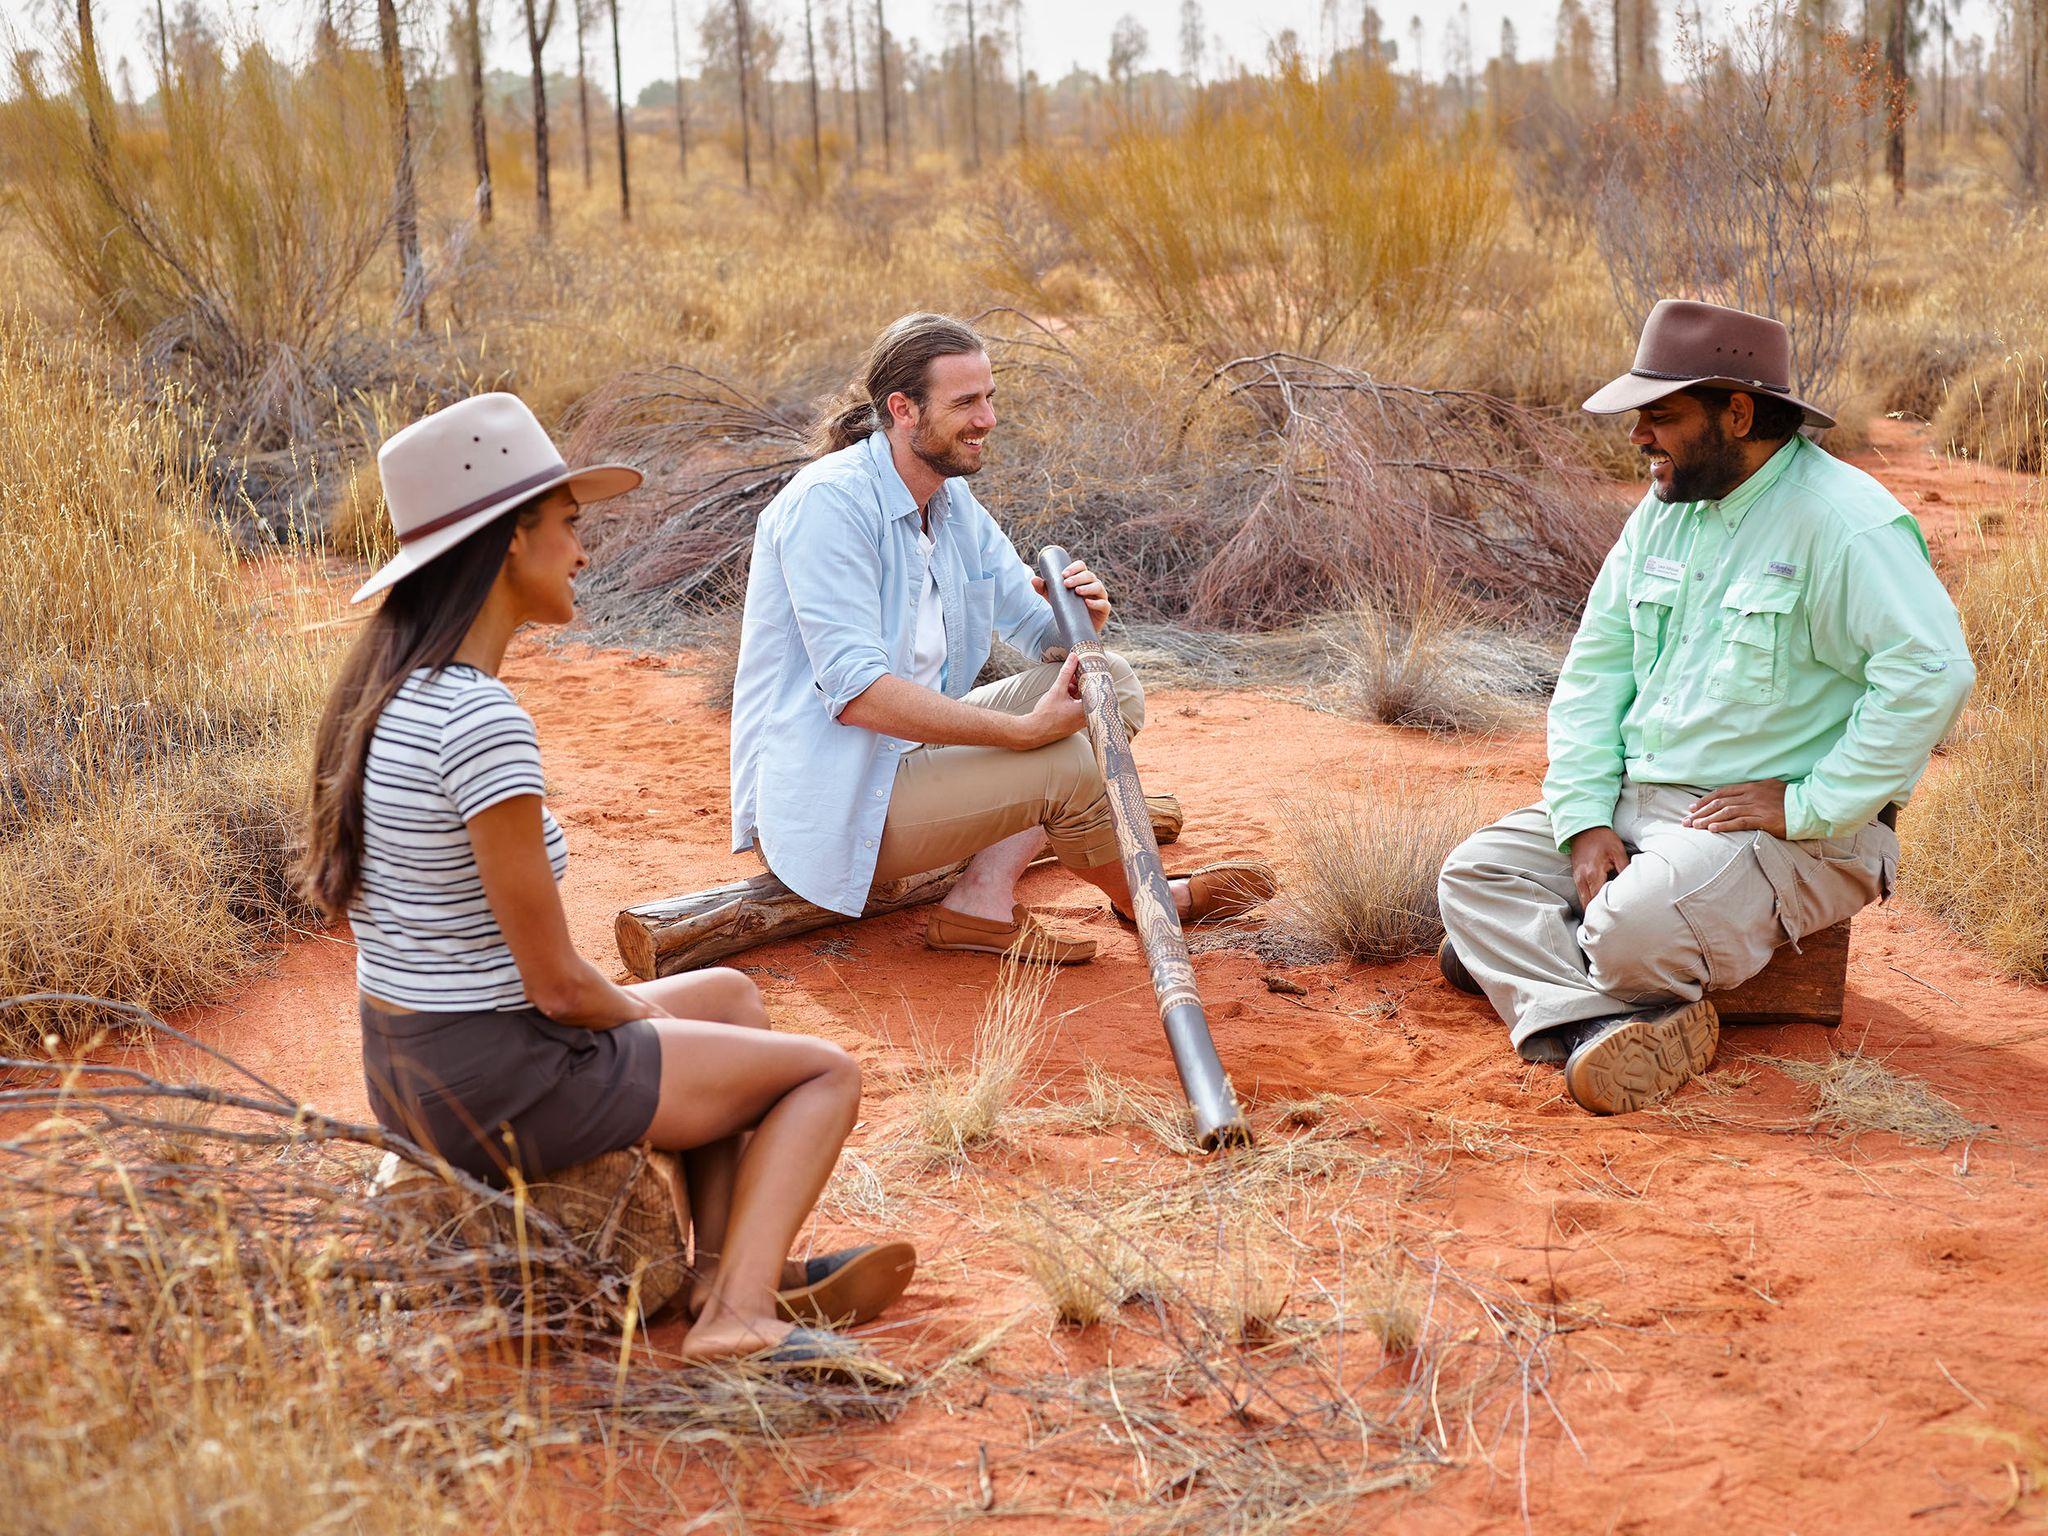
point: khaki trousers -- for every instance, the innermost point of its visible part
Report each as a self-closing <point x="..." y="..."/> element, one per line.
<point x="949" y="803"/>
<point x="1694" y="912"/>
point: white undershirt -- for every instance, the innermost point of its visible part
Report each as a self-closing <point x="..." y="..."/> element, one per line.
<point x="928" y="656"/>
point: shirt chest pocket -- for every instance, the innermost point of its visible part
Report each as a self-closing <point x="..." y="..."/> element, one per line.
<point x="1650" y="601"/>
<point x="978" y="599"/>
<point x="1756" y="632"/>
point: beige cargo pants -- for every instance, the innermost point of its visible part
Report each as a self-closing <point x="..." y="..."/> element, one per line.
<point x="1694" y="912"/>
<point x="949" y="803"/>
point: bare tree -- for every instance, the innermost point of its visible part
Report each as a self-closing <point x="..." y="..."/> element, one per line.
<point x="94" y="85"/>
<point x="811" y="64"/>
<point x="882" y="83"/>
<point x="1743" y="193"/>
<point x="539" y="23"/>
<point x="675" y="27"/>
<point x="1128" y="45"/>
<point x="853" y="74"/>
<point x="479" y="129"/>
<point x="582" y="87"/>
<point x="743" y="67"/>
<point x="619" y="118"/>
<point x="1898" y="46"/>
<point x="1191" y="41"/>
<point x="412" y="283"/>
<point x="1024" y="76"/>
<point x="163" y="46"/>
<point x="973" y="93"/>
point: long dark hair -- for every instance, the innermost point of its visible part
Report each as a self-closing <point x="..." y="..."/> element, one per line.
<point x="421" y="623"/>
<point x="900" y="361"/>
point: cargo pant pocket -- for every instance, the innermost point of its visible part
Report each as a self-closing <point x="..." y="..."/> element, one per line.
<point x="1738" y="917"/>
<point x="1830" y="882"/>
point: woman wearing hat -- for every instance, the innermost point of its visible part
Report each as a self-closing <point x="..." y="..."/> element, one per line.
<point x="485" y="1035"/>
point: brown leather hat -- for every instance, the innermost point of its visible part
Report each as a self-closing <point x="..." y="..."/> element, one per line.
<point x="1686" y="343"/>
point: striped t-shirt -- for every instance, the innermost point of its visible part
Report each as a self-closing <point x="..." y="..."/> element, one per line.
<point x="452" y="742"/>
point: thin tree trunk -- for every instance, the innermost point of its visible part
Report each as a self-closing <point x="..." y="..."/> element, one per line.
<point x="1023" y="94"/>
<point x="882" y="85"/>
<point x="412" y="288"/>
<point x="675" y="27"/>
<point x="94" y="86"/>
<point x="811" y="63"/>
<point x="973" y="94"/>
<point x="1895" y="97"/>
<point x="853" y="72"/>
<point x="582" y="92"/>
<point x="1617" y="4"/>
<point x="537" y="29"/>
<point x="619" y="117"/>
<point x="739" y="22"/>
<point x="163" y="44"/>
<point x="479" y="129"/>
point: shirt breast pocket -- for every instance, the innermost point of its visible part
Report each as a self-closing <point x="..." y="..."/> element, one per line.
<point x="1756" y="629"/>
<point x="978" y="598"/>
<point x="1650" y="601"/>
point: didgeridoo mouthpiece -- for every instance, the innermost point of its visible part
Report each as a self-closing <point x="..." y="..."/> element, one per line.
<point x="1069" y="613"/>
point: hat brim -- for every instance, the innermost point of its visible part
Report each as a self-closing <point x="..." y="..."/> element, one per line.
<point x="1631" y="392"/>
<point x="597" y="482"/>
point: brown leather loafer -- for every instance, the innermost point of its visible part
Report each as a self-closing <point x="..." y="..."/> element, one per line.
<point x="1023" y="935"/>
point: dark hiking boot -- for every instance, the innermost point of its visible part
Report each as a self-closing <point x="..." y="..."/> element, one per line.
<point x="1454" y="970"/>
<point x="1622" y="1064"/>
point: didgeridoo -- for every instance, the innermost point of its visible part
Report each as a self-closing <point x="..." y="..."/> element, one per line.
<point x="1218" y="1120"/>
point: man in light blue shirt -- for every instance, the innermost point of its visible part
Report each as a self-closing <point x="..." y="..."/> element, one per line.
<point x="861" y="749"/>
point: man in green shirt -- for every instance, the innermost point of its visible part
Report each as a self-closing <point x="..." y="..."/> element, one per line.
<point x="1764" y="665"/>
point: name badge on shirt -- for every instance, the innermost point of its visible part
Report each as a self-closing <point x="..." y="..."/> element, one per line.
<point x="1782" y="568"/>
<point x="1657" y="565"/>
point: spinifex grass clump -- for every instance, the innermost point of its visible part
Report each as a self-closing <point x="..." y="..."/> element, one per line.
<point x="1977" y="832"/>
<point x="1365" y="871"/>
<point x="151" y="711"/>
<point x="963" y="1106"/>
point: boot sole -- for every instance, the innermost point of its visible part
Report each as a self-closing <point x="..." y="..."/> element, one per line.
<point x="857" y="1292"/>
<point x="1644" y="1060"/>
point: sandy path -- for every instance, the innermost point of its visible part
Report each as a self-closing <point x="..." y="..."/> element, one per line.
<point x="1783" y="1331"/>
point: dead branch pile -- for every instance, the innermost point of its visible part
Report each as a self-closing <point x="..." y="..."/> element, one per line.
<point x="1328" y="487"/>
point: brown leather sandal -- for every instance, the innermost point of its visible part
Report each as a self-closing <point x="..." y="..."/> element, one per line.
<point x="1022" y="935"/>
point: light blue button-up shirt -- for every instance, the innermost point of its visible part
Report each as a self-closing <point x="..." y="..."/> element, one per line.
<point x="831" y="606"/>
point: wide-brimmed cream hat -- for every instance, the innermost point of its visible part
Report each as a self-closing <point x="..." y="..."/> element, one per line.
<point x="449" y="474"/>
<point x="1687" y="343"/>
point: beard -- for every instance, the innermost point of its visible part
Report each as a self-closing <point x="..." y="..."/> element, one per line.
<point x="943" y="456"/>
<point x="1712" y="466"/>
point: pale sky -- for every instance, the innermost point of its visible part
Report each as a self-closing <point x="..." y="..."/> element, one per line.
<point x="1057" y="33"/>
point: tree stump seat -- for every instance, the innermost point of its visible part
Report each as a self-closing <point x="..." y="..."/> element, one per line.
<point x="1800" y="986"/>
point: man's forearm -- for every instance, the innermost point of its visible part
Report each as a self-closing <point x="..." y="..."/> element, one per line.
<point x="895" y="706"/>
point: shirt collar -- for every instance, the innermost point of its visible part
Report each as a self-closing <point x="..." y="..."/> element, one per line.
<point x="1737" y="502"/>
<point x="896" y="498"/>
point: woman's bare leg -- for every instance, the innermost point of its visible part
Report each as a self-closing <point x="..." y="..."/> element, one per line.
<point x="799" y="1096"/>
<point x="720" y="996"/>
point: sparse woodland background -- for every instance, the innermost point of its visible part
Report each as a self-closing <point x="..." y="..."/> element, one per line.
<point x="1291" y="352"/>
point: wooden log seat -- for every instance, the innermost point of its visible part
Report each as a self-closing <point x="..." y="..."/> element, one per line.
<point x="1802" y="986"/>
<point x="682" y="933"/>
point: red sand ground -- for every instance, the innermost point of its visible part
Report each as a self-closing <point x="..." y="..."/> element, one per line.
<point x="1788" y="1332"/>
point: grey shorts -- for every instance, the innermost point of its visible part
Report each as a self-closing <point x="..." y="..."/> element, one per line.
<point x="496" y="1091"/>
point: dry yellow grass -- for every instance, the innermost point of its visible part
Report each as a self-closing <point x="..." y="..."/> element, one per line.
<point x="153" y="708"/>
<point x="1303" y="214"/>
<point x="1860" y="1093"/>
<point x="1365" y="870"/>
<point x="962" y="1106"/>
<point x="1977" y="835"/>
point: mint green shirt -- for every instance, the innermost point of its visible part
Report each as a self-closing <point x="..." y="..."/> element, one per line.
<point x="1792" y="630"/>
